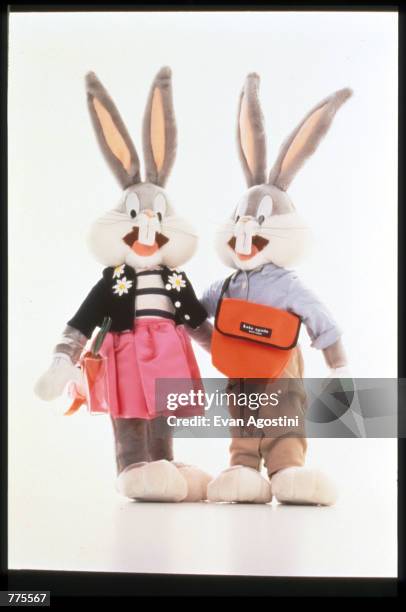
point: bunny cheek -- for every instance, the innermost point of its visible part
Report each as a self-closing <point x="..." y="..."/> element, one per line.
<point x="105" y="238"/>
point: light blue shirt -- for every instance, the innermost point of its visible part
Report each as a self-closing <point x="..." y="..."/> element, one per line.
<point x="280" y="288"/>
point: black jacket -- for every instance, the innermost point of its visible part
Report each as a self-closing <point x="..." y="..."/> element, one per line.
<point x="104" y="301"/>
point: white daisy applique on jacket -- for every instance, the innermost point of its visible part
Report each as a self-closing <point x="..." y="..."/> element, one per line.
<point x="118" y="271"/>
<point x="175" y="281"/>
<point x="122" y="286"/>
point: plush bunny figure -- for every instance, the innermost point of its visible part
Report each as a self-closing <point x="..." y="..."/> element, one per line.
<point x="263" y="239"/>
<point x="140" y="242"/>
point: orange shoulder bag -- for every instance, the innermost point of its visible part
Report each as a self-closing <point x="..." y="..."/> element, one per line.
<point x="252" y="340"/>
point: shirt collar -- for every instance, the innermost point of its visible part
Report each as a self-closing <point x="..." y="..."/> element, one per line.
<point x="268" y="268"/>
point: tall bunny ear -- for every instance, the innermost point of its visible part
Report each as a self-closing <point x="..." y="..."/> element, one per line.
<point x="112" y="134"/>
<point x="251" y="133"/>
<point x="159" y="129"/>
<point x="305" y="139"/>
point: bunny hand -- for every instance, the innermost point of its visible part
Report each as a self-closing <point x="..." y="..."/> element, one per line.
<point x="341" y="384"/>
<point x="61" y="371"/>
<point x="202" y="335"/>
<point x="341" y="372"/>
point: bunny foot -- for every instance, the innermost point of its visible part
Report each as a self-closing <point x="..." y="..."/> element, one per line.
<point x="197" y="482"/>
<point x="299" y="485"/>
<point x="158" y="481"/>
<point x="240" y="484"/>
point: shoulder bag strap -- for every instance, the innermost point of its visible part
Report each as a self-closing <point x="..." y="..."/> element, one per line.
<point x="223" y="291"/>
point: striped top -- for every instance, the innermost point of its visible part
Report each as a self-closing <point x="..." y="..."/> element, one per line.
<point x="151" y="297"/>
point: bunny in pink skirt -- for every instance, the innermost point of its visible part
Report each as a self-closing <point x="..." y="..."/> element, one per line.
<point x="149" y="300"/>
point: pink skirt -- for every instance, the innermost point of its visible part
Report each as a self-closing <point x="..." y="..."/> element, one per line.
<point x="153" y="352"/>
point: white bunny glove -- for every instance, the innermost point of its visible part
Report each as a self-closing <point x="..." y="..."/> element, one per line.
<point x="61" y="371"/>
<point x="341" y="372"/>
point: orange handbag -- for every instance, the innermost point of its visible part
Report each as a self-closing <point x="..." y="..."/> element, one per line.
<point x="252" y="340"/>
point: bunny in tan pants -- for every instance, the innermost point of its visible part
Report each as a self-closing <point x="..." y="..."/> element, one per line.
<point x="262" y="240"/>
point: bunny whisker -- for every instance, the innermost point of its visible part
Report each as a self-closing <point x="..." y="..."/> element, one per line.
<point x="179" y="231"/>
<point x="266" y="232"/>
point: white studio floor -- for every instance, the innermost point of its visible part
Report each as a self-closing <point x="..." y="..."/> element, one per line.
<point x="65" y="514"/>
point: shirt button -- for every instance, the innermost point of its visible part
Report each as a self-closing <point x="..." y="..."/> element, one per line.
<point x="168" y="287"/>
<point x="244" y="285"/>
<point x="177" y="304"/>
<point x="187" y="317"/>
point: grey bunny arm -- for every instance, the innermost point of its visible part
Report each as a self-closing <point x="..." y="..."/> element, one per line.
<point x="71" y="343"/>
<point x="202" y="334"/>
<point x="334" y="355"/>
<point x="81" y="326"/>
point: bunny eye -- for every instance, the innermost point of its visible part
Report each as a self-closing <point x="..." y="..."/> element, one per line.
<point x="264" y="209"/>
<point x="132" y="205"/>
<point x="159" y="205"/>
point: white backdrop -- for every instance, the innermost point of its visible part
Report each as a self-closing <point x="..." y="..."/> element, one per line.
<point x="59" y="182"/>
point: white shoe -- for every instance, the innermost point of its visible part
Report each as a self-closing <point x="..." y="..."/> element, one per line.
<point x="158" y="481"/>
<point x="197" y="482"/>
<point x="240" y="484"/>
<point x="300" y="485"/>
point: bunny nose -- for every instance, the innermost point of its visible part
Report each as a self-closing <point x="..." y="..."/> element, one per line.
<point x="149" y="213"/>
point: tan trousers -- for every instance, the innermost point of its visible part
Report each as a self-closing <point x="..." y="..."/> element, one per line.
<point x="277" y="447"/>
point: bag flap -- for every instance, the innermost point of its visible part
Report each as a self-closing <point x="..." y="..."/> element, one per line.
<point x="258" y="323"/>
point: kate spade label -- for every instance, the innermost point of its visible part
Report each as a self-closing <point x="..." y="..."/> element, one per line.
<point x="255" y="330"/>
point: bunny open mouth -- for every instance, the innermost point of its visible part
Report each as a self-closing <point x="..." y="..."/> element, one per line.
<point x="131" y="239"/>
<point x="258" y="243"/>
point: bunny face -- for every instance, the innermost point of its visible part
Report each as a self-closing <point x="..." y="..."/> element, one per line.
<point x="143" y="230"/>
<point x="265" y="227"/>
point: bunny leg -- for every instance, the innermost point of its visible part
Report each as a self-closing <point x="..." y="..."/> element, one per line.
<point x="160" y="445"/>
<point x="160" y="441"/>
<point x="157" y="481"/>
<point x="303" y="486"/>
<point x="242" y="482"/>
<point x="138" y="477"/>
<point x="285" y="446"/>
<point x="131" y="442"/>
<point x="284" y="456"/>
<point x="291" y="482"/>
<point x="197" y="481"/>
